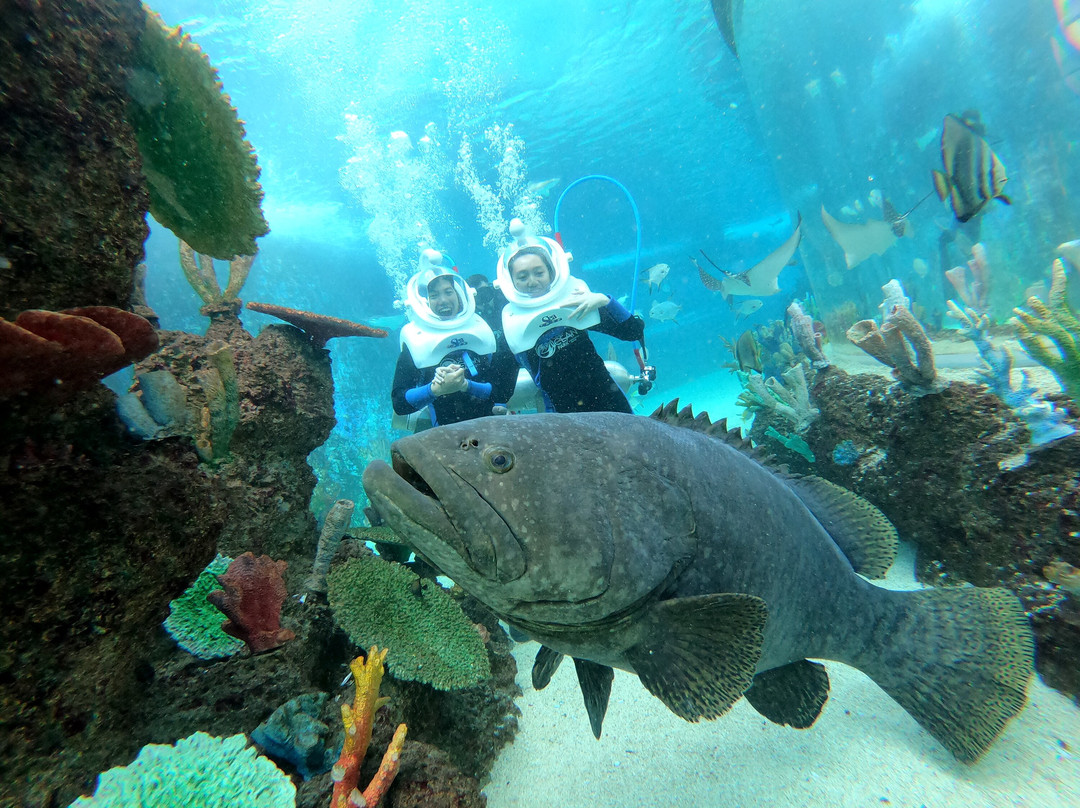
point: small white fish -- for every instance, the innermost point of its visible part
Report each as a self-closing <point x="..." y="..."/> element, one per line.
<point x="746" y="308"/>
<point x="848" y="211"/>
<point x="838" y="78"/>
<point x="813" y="88"/>
<point x="876" y="198"/>
<point x="542" y="188"/>
<point x="667" y="310"/>
<point x="1071" y="251"/>
<point x="921" y="267"/>
<point x="654" y="275"/>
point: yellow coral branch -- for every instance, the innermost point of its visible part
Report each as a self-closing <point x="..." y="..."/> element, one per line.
<point x="358" y="719"/>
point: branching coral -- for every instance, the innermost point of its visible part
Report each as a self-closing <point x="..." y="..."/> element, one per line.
<point x="789" y="399"/>
<point x="1050" y="333"/>
<point x="199" y="271"/>
<point x="358" y="719"/>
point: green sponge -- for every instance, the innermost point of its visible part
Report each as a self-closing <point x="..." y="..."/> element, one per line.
<point x="195" y="623"/>
<point x="199" y="771"/>
<point x="430" y="639"/>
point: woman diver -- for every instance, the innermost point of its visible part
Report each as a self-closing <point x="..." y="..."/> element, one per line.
<point x="451" y="361"/>
<point x="545" y="320"/>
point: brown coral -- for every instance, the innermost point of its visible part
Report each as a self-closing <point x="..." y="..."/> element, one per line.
<point x="69" y="350"/>
<point x="252" y="594"/>
<point x="318" y="327"/>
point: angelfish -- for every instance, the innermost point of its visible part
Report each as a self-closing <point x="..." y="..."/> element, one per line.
<point x="660" y="547"/>
<point x="973" y="173"/>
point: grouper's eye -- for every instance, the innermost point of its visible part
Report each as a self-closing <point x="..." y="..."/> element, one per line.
<point x="499" y="459"/>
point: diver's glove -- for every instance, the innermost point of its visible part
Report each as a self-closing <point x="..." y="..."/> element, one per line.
<point x="587" y="302"/>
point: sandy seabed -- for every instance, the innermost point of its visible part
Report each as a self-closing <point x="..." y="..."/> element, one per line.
<point x="864" y="750"/>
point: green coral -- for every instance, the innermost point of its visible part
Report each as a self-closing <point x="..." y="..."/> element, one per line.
<point x="1051" y="333"/>
<point x="199" y="770"/>
<point x="195" y="623"/>
<point x="201" y="172"/>
<point x="430" y="639"/>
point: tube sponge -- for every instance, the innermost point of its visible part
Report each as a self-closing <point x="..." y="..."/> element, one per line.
<point x="199" y="770"/>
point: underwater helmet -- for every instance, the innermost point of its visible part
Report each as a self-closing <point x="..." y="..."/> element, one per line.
<point x="432" y="265"/>
<point x="550" y="249"/>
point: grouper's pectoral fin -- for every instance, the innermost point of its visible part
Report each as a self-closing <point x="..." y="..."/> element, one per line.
<point x="792" y="694"/>
<point x="595" y="682"/>
<point x="544" y="666"/>
<point x="698" y="654"/>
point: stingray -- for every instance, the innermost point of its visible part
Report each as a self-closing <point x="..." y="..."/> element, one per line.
<point x="861" y="240"/>
<point x="760" y="279"/>
<point x="726" y="13"/>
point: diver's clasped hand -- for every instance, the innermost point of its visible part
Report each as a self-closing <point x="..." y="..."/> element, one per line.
<point x="587" y="302"/>
<point x="449" y="379"/>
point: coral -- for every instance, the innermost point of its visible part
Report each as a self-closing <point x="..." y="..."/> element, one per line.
<point x="252" y="594"/>
<point x="72" y="202"/>
<point x="975" y="293"/>
<point x="1044" y="421"/>
<point x="789" y="399"/>
<point x="221" y="414"/>
<point x="381" y="602"/>
<point x="1057" y="322"/>
<point x="195" y="623"/>
<point x="66" y="351"/>
<point x="293" y="733"/>
<point x="791" y="442"/>
<point x="199" y="770"/>
<point x="202" y="174"/>
<point x="156" y="407"/>
<point x="846" y="453"/>
<point x="199" y="271"/>
<point x="318" y="327"/>
<point x="899" y="336"/>
<point x="337" y="521"/>
<point x="802" y="326"/>
<point x="358" y="719"/>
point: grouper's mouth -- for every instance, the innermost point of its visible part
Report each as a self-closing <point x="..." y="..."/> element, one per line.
<point x="442" y="516"/>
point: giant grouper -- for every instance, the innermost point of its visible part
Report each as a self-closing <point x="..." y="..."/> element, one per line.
<point x="662" y="547"/>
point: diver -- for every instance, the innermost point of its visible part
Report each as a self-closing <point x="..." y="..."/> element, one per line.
<point x="489" y="301"/>
<point x="545" y="320"/>
<point x="451" y="361"/>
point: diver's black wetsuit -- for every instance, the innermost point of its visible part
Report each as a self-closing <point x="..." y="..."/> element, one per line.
<point x="493" y="383"/>
<point x="570" y="373"/>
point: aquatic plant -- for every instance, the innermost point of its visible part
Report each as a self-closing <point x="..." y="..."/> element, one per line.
<point x="381" y="602"/>
<point x="293" y="733"/>
<point x="195" y="623"/>
<point x="201" y="173"/>
<point x="199" y="770"/>
<point x="252" y="592"/>
<point x="358" y="719"/>
<point x="1044" y="421"/>
<point x="1050" y="333"/>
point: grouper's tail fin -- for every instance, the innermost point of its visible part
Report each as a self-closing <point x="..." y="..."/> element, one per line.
<point x="964" y="668"/>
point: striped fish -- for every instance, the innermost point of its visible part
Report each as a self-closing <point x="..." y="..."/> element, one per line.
<point x="973" y="174"/>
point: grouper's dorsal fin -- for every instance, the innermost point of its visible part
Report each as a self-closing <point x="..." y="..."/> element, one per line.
<point x="544" y="666"/>
<point x="867" y="538"/>
<point x="698" y="654"/>
<point x="595" y="682"/>
<point x="792" y="694"/>
<point x="671" y="414"/>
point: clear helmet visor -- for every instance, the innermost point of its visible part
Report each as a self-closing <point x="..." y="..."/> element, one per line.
<point x="437" y="296"/>
<point x="520" y="270"/>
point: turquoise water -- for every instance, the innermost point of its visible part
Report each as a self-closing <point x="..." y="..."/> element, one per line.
<point x="382" y="127"/>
